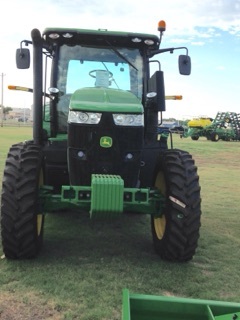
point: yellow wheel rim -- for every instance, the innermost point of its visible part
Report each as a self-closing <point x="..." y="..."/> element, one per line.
<point x="40" y="215"/>
<point x="160" y="226"/>
<point x="160" y="223"/>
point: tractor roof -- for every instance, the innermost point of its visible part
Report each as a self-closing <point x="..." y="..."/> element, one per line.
<point x="100" y="37"/>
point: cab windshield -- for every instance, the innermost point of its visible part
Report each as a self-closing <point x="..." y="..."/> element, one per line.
<point x="84" y="67"/>
<point x="118" y="68"/>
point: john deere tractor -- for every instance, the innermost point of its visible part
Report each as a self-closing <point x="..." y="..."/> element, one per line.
<point x="96" y="145"/>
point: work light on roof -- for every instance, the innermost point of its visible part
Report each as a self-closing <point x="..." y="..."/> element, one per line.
<point x="67" y="35"/>
<point x="136" y="40"/>
<point x="149" y="42"/>
<point x="54" y="35"/>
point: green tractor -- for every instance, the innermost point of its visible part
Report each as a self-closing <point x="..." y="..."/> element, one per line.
<point x="95" y="144"/>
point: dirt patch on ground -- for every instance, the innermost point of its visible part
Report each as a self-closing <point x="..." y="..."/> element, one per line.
<point x="27" y="306"/>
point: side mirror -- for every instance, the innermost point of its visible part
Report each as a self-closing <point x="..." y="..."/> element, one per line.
<point x="184" y="65"/>
<point x="23" y="58"/>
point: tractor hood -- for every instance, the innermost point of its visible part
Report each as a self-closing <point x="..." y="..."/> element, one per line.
<point x="105" y="100"/>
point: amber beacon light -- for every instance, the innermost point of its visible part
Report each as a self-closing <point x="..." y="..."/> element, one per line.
<point x="161" y="25"/>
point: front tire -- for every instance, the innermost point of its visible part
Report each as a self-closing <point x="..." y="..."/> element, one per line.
<point x="195" y="138"/>
<point x="176" y="232"/>
<point x="21" y="220"/>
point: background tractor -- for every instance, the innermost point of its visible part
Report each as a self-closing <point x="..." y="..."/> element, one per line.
<point x="96" y="144"/>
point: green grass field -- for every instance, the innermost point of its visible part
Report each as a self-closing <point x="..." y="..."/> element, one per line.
<point x="84" y="265"/>
<point x="9" y="136"/>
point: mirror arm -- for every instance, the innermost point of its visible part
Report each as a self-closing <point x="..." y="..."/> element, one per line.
<point x="154" y="52"/>
<point x="26" y="42"/>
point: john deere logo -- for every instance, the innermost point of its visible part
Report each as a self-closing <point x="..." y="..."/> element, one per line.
<point x="106" y="142"/>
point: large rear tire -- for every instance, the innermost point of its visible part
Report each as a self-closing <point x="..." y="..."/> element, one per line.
<point x="21" y="218"/>
<point x="176" y="232"/>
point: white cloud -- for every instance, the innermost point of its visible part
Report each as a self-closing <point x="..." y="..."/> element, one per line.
<point x="182" y="16"/>
<point x="221" y="68"/>
<point x="197" y="43"/>
<point x="195" y="23"/>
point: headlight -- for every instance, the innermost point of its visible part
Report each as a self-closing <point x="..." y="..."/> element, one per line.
<point x="134" y="120"/>
<point x="84" y="117"/>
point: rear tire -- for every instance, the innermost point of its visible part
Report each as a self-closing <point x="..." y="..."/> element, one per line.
<point x="176" y="232"/>
<point x="21" y="220"/>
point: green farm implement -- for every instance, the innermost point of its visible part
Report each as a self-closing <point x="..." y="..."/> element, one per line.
<point x="150" y="307"/>
<point x="97" y="99"/>
<point x="225" y="126"/>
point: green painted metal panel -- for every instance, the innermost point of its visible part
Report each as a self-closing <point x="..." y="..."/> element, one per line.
<point x="105" y="100"/>
<point x="107" y="196"/>
<point x="145" y="307"/>
<point x="59" y="137"/>
<point x="230" y="316"/>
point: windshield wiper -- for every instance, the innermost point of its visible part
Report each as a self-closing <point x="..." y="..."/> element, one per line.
<point x="120" y="55"/>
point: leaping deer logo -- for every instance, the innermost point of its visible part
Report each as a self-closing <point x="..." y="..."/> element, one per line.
<point x="106" y="142"/>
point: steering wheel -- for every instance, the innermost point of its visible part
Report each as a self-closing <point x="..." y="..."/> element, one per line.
<point x="91" y="73"/>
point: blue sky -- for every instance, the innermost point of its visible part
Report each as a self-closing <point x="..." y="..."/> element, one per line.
<point x="210" y="30"/>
